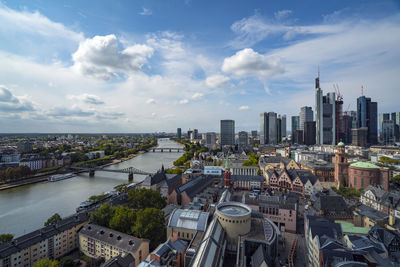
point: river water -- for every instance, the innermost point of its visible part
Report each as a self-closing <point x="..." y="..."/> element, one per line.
<point x="26" y="208"/>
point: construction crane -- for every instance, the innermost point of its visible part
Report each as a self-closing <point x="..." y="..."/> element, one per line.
<point x="339" y="98"/>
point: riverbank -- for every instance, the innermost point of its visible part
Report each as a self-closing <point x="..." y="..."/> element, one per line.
<point x="44" y="177"/>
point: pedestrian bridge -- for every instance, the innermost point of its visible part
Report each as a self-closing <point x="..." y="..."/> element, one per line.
<point x="168" y="149"/>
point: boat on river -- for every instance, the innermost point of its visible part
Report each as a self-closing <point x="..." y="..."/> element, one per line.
<point x="59" y="177"/>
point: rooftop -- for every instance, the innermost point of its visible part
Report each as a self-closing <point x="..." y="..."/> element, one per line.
<point x="117" y="239"/>
<point x="364" y="165"/>
<point x="233" y="209"/>
<point x="189" y="219"/>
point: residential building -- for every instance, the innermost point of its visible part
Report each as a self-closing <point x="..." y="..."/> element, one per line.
<point x="281" y="210"/>
<point x="306" y="114"/>
<point x="319" y="230"/>
<point x="248" y="182"/>
<point x="367" y="116"/>
<point x="185" y="193"/>
<point x="332" y="207"/>
<point x="302" y="182"/>
<point x="24" y="147"/>
<point x="53" y="241"/>
<point x="211" y="139"/>
<point x="323" y="170"/>
<point x="390" y="239"/>
<point x="163" y="182"/>
<point x="227" y="133"/>
<point x="100" y="242"/>
<point x="243" y="138"/>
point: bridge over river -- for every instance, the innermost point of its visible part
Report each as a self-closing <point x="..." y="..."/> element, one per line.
<point x="129" y="170"/>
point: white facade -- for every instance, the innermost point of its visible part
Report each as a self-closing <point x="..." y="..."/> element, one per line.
<point x="34" y="164"/>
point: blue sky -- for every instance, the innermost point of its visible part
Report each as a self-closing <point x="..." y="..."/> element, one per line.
<point x="143" y="66"/>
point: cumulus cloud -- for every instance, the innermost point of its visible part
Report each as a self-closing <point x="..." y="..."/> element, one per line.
<point x="247" y="62"/>
<point x="87" y="98"/>
<point x="101" y="57"/>
<point x="197" y="96"/>
<point x="218" y="80"/>
<point x="184" y="101"/>
<point x="150" y="101"/>
<point x="244" y="108"/>
<point x="145" y="12"/>
<point x="11" y="103"/>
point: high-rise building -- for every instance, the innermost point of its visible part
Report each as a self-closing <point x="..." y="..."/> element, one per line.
<point x="295" y="123"/>
<point x="306" y="114"/>
<point x="396" y="119"/>
<point x="268" y="128"/>
<point x="346" y="124"/>
<point x="179" y="133"/>
<point x="243" y="138"/>
<point x="298" y="137"/>
<point x="283" y="126"/>
<point x="325" y="116"/>
<point x="195" y="134"/>
<point x="359" y="136"/>
<point x="189" y="134"/>
<point x="309" y="133"/>
<point x="318" y="112"/>
<point x="254" y="134"/>
<point x="367" y="116"/>
<point x="211" y="139"/>
<point x="278" y="128"/>
<point x="227" y="133"/>
<point x="388" y="132"/>
<point x="383" y="117"/>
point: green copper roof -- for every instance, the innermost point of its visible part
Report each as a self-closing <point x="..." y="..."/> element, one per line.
<point x="227" y="163"/>
<point x="363" y="164"/>
<point x="341" y="144"/>
<point x="348" y="227"/>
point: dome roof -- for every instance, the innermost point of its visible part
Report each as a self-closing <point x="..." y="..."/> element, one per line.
<point x="341" y="144"/>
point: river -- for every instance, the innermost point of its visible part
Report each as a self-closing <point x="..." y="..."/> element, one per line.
<point x="26" y="208"/>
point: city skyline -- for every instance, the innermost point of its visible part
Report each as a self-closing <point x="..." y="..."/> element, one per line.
<point x="152" y="67"/>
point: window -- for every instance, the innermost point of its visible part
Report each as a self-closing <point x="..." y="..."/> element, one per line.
<point x="355" y="181"/>
<point x="362" y="182"/>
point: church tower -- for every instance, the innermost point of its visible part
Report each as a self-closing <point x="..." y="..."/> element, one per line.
<point x="227" y="174"/>
<point x="341" y="166"/>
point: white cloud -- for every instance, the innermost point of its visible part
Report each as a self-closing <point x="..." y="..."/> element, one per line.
<point x="183" y="101"/>
<point x="244" y="108"/>
<point x="87" y="98"/>
<point x="218" y="80"/>
<point x="100" y="57"/>
<point x="197" y="96"/>
<point x="281" y="14"/>
<point x="150" y="101"/>
<point x="145" y="12"/>
<point x="254" y="29"/>
<point x="34" y="23"/>
<point x="12" y="103"/>
<point x="247" y="62"/>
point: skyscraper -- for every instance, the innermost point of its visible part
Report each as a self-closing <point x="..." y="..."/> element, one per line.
<point x="318" y="112"/>
<point x="367" y="116"/>
<point x="325" y="111"/>
<point x="283" y="126"/>
<point x="309" y="133"/>
<point x="295" y="123"/>
<point x="306" y="114"/>
<point x="268" y="128"/>
<point x="211" y="139"/>
<point x="278" y="129"/>
<point x="227" y="133"/>
<point x="179" y="133"/>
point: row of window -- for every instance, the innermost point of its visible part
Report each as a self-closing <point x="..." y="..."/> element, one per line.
<point x="233" y="221"/>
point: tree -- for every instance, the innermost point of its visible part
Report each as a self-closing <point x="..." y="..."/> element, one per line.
<point x="53" y="219"/>
<point x="46" y="263"/>
<point x="145" y="198"/>
<point x="67" y="262"/>
<point x="123" y="220"/>
<point x="10" y="173"/>
<point x="103" y="215"/>
<point x="4" y="238"/>
<point x="150" y="225"/>
<point x="396" y="179"/>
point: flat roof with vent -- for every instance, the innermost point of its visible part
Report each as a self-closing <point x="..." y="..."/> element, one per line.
<point x="188" y="219"/>
<point x="111" y="237"/>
